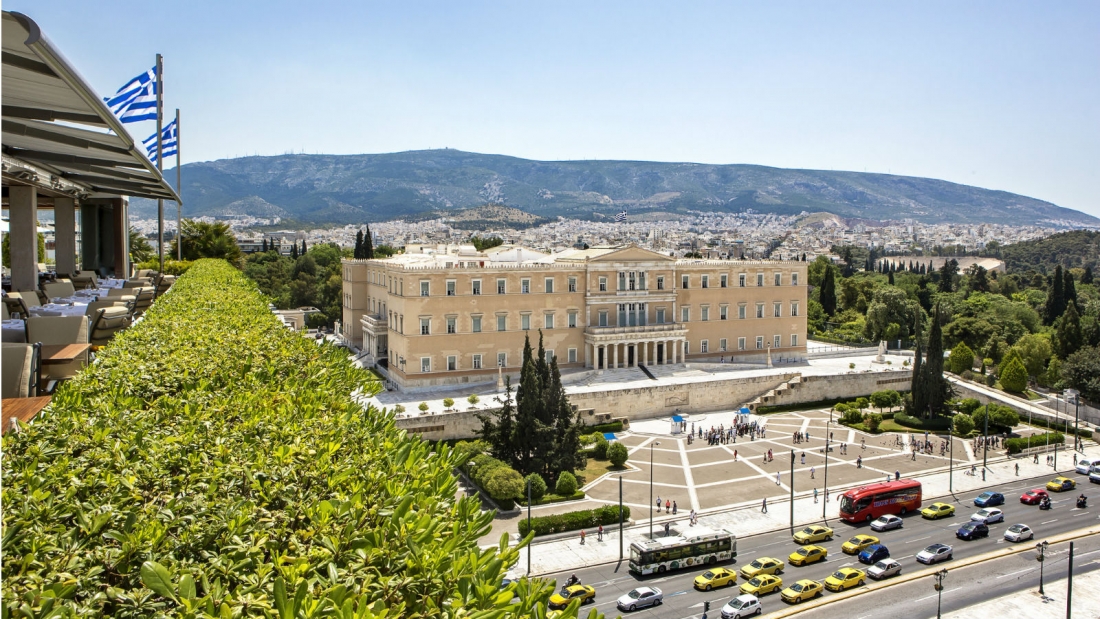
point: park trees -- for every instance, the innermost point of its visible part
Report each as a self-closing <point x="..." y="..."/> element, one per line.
<point x="961" y="359"/>
<point x="889" y="306"/>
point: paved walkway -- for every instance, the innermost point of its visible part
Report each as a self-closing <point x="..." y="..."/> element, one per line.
<point x="1086" y="601"/>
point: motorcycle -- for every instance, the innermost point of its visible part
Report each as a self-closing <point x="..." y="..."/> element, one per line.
<point x="1082" y="502"/>
<point x="1044" y="504"/>
<point x="572" y="580"/>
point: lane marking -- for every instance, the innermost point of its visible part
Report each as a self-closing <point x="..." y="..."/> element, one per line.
<point x="1017" y="572"/>
<point x="929" y="597"/>
<point x="918" y="539"/>
<point x="1049" y="521"/>
<point x="905" y="557"/>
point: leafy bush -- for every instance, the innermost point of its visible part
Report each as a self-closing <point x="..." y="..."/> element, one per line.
<point x="862" y="403"/>
<point x="423" y="407"/>
<point x="171" y="267"/>
<point x="872" y="421"/>
<point x="933" y="424"/>
<point x="398" y="408"/>
<point x="963" y="423"/>
<point x="572" y="521"/>
<point x="566" y="485"/>
<point x="553" y="497"/>
<point x="612" y="426"/>
<point x="841" y="407"/>
<point x="447" y="402"/>
<point x="599" y="452"/>
<point x="968" y="405"/>
<point x="1014" y="376"/>
<point x="961" y="359"/>
<point x="473" y="399"/>
<point x="967" y="375"/>
<point x="617" y="454"/>
<point x="1001" y="417"/>
<point x="1060" y="427"/>
<point x="1016" y="445"/>
<point x="990" y="380"/>
<point x="537" y="485"/>
<point x="504" y="483"/>
<point x="851" y="416"/>
<point x="214" y="463"/>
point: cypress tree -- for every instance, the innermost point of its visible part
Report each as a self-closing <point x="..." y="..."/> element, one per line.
<point x="303" y="247"/>
<point x="368" y="245"/>
<point x="828" y="292"/>
<point x="1087" y="277"/>
<point x="567" y="454"/>
<point x="1068" y="336"/>
<point x="1069" y="291"/>
<point x="528" y="425"/>
<point x="294" y="251"/>
<point x="918" y="398"/>
<point x="264" y="249"/>
<point x="938" y="389"/>
<point x="501" y="433"/>
<point x="1056" y="300"/>
<point x="358" y="252"/>
<point x="890" y="278"/>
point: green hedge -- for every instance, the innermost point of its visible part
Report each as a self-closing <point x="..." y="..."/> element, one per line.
<point x="572" y="521"/>
<point x="212" y="462"/>
<point x="552" y="498"/>
<point x="171" y="267"/>
<point x="1016" y="445"/>
<point x="1060" y="426"/>
<point x="935" y="424"/>
<point x="613" y="426"/>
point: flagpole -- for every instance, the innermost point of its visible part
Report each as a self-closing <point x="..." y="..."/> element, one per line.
<point x="179" y="193"/>
<point x="160" y="159"/>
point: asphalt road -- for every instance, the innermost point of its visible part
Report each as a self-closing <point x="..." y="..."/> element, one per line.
<point x="682" y="601"/>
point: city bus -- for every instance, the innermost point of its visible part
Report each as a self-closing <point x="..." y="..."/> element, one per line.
<point x="700" y="546"/>
<point x="865" y="503"/>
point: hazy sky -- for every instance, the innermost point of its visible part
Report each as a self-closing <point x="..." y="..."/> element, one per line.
<point x="1003" y="95"/>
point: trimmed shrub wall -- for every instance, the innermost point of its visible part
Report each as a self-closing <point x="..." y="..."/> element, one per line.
<point x="1016" y="445"/>
<point x="573" y="521"/>
<point x="937" y="424"/>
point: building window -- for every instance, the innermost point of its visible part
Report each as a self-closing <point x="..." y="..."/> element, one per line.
<point x="572" y="284"/>
<point x="740" y="343"/>
<point x="705" y="311"/>
<point x="661" y="316"/>
<point x="685" y="313"/>
<point x="452" y="363"/>
<point x="476" y="324"/>
<point x="549" y="321"/>
<point x="687" y="348"/>
<point x="425" y="364"/>
<point x="723" y="312"/>
<point x="706" y="281"/>
<point x="502" y="323"/>
<point x="451" y="287"/>
<point x="525" y="286"/>
<point x="525" y="322"/>
<point x="602" y="318"/>
<point x="759" y="310"/>
<point x="572" y="355"/>
<point x="741" y="280"/>
<point x="549" y="356"/>
<point x="794" y="308"/>
<point x="794" y="279"/>
<point x="724" y="281"/>
<point x="549" y="284"/>
<point x="603" y="284"/>
<point x="777" y="310"/>
<point x="722" y="345"/>
<point x="684" y="281"/>
<point x="425" y="326"/>
<point x="741" y="309"/>
<point x="572" y="319"/>
<point x="660" y="283"/>
<point x="476" y="286"/>
<point x="777" y="341"/>
<point x="703" y="346"/>
<point x="760" y="342"/>
<point x="452" y="326"/>
<point x="424" y="288"/>
<point x="477" y="362"/>
<point x="778" y="279"/>
<point x="502" y="359"/>
<point x="794" y="340"/>
<point x="759" y="279"/>
<point x="502" y="286"/>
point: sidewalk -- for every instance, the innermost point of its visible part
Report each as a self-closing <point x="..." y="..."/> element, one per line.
<point x="1086" y="601"/>
<point x="747" y="519"/>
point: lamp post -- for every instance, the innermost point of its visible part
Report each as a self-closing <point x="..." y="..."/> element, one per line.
<point x="985" y="440"/>
<point x="651" y="446"/>
<point x="939" y="576"/>
<point x="791" y="482"/>
<point x="828" y="439"/>
<point x="1042" y="548"/>
<point x="529" y="546"/>
<point x="1073" y="393"/>
<point x="621" y="516"/>
<point x="951" y="462"/>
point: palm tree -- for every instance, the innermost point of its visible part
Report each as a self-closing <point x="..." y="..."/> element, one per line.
<point x="140" y="249"/>
<point x="207" y="240"/>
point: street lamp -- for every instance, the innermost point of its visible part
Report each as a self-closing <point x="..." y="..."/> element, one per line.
<point x="1075" y="395"/>
<point x="651" y="446"/>
<point x="1042" y="548"/>
<point x="939" y="576"/>
<point x="985" y="440"/>
<point x="828" y="438"/>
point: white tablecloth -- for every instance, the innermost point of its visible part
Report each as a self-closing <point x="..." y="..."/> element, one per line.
<point x="84" y="294"/>
<point x="14" y="331"/>
<point x="111" y="283"/>
<point x="54" y="309"/>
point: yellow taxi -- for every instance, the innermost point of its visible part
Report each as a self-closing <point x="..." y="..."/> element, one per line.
<point x="801" y="590"/>
<point x="1061" y="484"/>
<point x="763" y="565"/>
<point x="845" y="578"/>
<point x="813" y="534"/>
<point x="762" y="584"/>
<point x="562" y="598"/>
<point x="807" y="555"/>
<point x="715" y="577"/>
<point x="937" y="510"/>
<point x="858" y="543"/>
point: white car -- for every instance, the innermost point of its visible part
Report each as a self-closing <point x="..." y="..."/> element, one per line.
<point x="1094" y="474"/>
<point x="935" y="553"/>
<point x="1084" y="465"/>
<point x="884" y="569"/>
<point x="640" y="598"/>
<point x="1019" y="533"/>
<point x="887" y="522"/>
<point x="741" y="606"/>
<point x="988" y="515"/>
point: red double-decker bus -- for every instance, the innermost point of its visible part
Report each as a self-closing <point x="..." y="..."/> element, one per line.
<point x="869" y="502"/>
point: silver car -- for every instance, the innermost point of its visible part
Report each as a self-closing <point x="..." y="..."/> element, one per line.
<point x="640" y="598"/>
<point x="935" y="553"/>
<point x="741" y="606"/>
<point x="887" y="522"/>
<point x="989" y="515"/>
<point x="1019" y="533"/>
<point x="884" y="569"/>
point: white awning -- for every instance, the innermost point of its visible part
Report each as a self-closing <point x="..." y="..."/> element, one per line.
<point x="54" y="121"/>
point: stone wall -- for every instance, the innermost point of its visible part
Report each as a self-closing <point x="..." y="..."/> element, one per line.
<point x="842" y="386"/>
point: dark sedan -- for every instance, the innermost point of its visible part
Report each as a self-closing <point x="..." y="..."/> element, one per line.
<point x="874" y="554"/>
<point x="989" y="499"/>
<point x="972" y="530"/>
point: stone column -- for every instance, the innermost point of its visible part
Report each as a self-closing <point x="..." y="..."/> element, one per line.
<point x="64" y="218"/>
<point x="645" y="350"/>
<point x="23" y="233"/>
<point x="675" y="350"/>
<point x="615" y="356"/>
<point x="121" y="229"/>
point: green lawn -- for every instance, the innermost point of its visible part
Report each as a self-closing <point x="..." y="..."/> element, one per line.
<point x="594" y="469"/>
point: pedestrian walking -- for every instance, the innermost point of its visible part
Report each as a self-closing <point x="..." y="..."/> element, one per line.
<point x="764" y="506"/>
<point x="582" y="537"/>
<point x="1017" y="469"/>
<point x="691" y="519"/>
<point x="897" y="475"/>
<point x="803" y="457"/>
<point x="815" y="495"/>
<point x="668" y="525"/>
<point x="674" y="507"/>
<point x="668" y="506"/>
<point x="777" y="480"/>
<point x="735" y="455"/>
<point x="812" y="470"/>
<point x="859" y="462"/>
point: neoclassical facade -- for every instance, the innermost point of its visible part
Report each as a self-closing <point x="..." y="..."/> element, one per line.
<point x="451" y="315"/>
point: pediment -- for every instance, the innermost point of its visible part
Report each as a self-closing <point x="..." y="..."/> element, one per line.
<point x="633" y="253"/>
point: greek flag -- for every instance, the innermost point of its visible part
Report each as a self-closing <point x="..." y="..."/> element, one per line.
<point x="621" y="217"/>
<point x="137" y="100"/>
<point x="169" y="141"/>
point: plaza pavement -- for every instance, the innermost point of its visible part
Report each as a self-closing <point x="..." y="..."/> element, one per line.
<point x="1028" y="603"/>
<point x="728" y="494"/>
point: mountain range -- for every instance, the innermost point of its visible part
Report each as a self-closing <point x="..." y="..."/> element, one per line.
<point x="343" y="189"/>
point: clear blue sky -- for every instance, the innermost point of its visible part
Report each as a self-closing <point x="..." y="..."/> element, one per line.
<point x="1004" y="95"/>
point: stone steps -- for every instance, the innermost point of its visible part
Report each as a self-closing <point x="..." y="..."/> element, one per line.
<point x="774" y="397"/>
